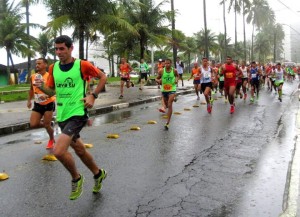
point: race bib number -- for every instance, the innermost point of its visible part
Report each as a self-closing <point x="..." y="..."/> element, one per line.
<point x="253" y="75"/>
<point x="40" y="97"/>
<point x="124" y="75"/>
<point x="207" y="75"/>
<point x="167" y="87"/>
<point x="229" y="75"/>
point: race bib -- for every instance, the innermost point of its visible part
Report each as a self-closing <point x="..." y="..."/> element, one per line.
<point x="167" y="87"/>
<point x="229" y="75"/>
<point x="40" y="97"/>
<point x="253" y="75"/>
<point x="207" y="75"/>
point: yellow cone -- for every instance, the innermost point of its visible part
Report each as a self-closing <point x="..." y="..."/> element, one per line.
<point x="3" y="176"/>
<point x="195" y="106"/>
<point x="177" y="113"/>
<point x="165" y="116"/>
<point x="49" y="157"/>
<point x="113" y="136"/>
<point x="187" y="109"/>
<point x="151" y="122"/>
<point x="88" y="145"/>
<point x="38" y="142"/>
<point x="135" y="128"/>
<point x="203" y="103"/>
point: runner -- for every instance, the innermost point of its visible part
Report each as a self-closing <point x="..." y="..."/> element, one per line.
<point x="179" y="68"/>
<point x="44" y="106"/>
<point x="125" y="70"/>
<point x="254" y="74"/>
<point x="279" y="73"/>
<point x="144" y="68"/>
<point x="245" y="77"/>
<point x="221" y="82"/>
<point x="67" y="78"/>
<point x="160" y="66"/>
<point x="206" y="82"/>
<point x="168" y="78"/>
<point x="196" y="75"/>
<point x="239" y="83"/>
<point x="229" y="70"/>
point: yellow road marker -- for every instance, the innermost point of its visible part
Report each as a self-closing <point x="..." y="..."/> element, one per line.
<point x="113" y="136"/>
<point x="87" y="145"/>
<point x="49" y="157"/>
<point x="151" y="122"/>
<point x="187" y="109"/>
<point x="135" y="128"/>
<point x="3" y="176"/>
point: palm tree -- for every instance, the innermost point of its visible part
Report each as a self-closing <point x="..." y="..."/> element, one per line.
<point x="222" y="45"/>
<point x="205" y="31"/>
<point x="12" y="33"/>
<point x="45" y="44"/>
<point x="148" y="20"/>
<point x="189" y="48"/>
<point x="173" y="31"/>
<point x="26" y="4"/>
<point x="201" y="39"/>
<point x="259" y="14"/>
<point x="84" y="16"/>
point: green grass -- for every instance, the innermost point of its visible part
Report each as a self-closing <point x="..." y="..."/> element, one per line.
<point x="14" y="97"/>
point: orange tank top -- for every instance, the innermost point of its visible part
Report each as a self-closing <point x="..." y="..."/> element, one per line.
<point x="195" y="72"/>
<point x="39" y="96"/>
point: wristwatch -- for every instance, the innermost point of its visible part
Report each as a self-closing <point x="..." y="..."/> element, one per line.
<point x="95" y="95"/>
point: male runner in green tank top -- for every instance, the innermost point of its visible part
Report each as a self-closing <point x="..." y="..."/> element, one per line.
<point x="67" y="79"/>
<point x="168" y="78"/>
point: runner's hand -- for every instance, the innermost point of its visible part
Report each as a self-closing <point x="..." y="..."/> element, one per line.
<point x="89" y="101"/>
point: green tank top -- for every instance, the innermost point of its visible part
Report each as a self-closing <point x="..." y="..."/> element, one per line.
<point x="168" y="81"/>
<point x="70" y="89"/>
<point x="221" y="78"/>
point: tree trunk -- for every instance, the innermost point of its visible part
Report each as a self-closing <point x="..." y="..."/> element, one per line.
<point x="189" y="59"/>
<point x="275" y="38"/>
<point x="235" y="30"/>
<point x="206" y="52"/>
<point x="7" y="67"/>
<point x="28" y="46"/>
<point x="173" y="33"/>
<point x="225" y="31"/>
<point x="252" y="46"/>
<point x="81" y="42"/>
<point x="244" y="28"/>
<point x="87" y="46"/>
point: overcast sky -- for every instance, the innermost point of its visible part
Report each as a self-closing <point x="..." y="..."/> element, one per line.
<point x="190" y="18"/>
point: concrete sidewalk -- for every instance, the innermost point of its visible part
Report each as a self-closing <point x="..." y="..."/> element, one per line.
<point x="15" y="115"/>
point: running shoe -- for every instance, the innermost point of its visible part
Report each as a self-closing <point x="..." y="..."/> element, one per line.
<point x="121" y="97"/>
<point x="211" y="100"/>
<point x="226" y="100"/>
<point x="198" y="97"/>
<point x="209" y="108"/>
<point x="279" y="98"/>
<point x="140" y="89"/>
<point x="98" y="181"/>
<point x="132" y="84"/>
<point x="232" y="109"/>
<point x="76" y="188"/>
<point x="50" y="144"/>
<point x="251" y="99"/>
<point x="245" y="96"/>
<point x="162" y="110"/>
<point x="241" y="96"/>
<point x="175" y="99"/>
<point x="166" y="126"/>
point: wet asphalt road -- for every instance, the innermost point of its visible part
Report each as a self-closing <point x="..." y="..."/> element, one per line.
<point x="205" y="165"/>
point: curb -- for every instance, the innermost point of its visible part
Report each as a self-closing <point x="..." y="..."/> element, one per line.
<point x="93" y="112"/>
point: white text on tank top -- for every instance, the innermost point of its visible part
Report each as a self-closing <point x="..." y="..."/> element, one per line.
<point x="279" y="74"/>
<point x="206" y="78"/>
<point x="245" y="72"/>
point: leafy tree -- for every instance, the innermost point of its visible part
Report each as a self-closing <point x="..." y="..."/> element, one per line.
<point x="13" y="37"/>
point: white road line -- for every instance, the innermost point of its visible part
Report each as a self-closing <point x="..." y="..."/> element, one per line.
<point x="291" y="210"/>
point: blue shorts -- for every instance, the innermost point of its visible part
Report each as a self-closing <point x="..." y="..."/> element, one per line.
<point x="196" y="82"/>
<point x="167" y="94"/>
